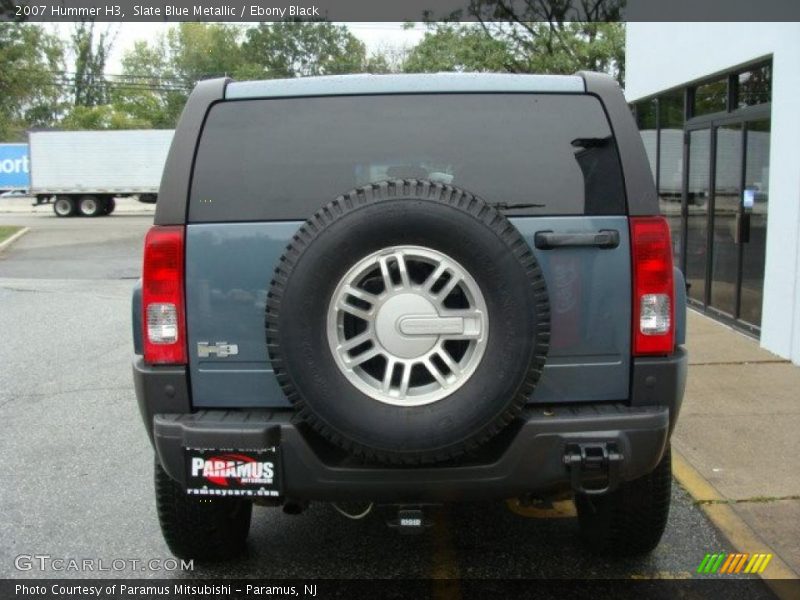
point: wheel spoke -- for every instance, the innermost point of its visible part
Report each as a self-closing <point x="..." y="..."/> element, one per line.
<point x="388" y="285"/>
<point x="405" y="379"/>
<point x="354" y="361"/>
<point x="434" y="277"/>
<point x="437" y="375"/>
<point x="448" y="287"/>
<point x="365" y="315"/>
<point x="386" y="384"/>
<point x="444" y="355"/>
<point x="401" y="266"/>
<point x="362" y="295"/>
<point x="356" y="341"/>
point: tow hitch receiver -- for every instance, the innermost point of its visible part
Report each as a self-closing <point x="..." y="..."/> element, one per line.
<point x="596" y="464"/>
<point x="410" y="520"/>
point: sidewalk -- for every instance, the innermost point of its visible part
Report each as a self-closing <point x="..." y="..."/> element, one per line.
<point x="739" y="429"/>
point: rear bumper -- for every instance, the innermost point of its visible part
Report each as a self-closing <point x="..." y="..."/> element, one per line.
<point x="532" y="461"/>
<point x="527" y="458"/>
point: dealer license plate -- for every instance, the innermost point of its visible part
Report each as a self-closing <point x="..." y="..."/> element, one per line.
<point x="233" y="472"/>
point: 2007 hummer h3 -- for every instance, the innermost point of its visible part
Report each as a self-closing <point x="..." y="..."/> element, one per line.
<point x="408" y="290"/>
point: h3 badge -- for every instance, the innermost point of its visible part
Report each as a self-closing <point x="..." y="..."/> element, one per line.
<point x="219" y="349"/>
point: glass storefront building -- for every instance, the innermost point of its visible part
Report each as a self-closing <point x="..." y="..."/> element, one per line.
<point x="708" y="145"/>
<point x="718" y="107"/>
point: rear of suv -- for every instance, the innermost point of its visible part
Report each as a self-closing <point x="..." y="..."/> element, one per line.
<point x="398" y="291"/>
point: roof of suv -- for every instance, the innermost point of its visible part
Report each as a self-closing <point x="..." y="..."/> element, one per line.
<point x="345" y="85"/>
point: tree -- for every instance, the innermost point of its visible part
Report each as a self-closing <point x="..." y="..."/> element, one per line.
<point x="157" y="76"/>
<point x="102" y="116"/>
<point x="199" y="51"/>
<point x="91" y="53"/>
<point x="448" y="47"/>
<point x="149" y="90"/>
<point x="557" y="36"/>
<point x="30" y="63"/>
<point x="563" y="48"/>
<point x="304" y="48"/>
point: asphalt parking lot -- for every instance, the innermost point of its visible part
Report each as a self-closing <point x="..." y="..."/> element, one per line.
<point x="76" y="479"/>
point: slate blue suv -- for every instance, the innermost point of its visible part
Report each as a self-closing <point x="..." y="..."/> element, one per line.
<point x="405" y="290"/>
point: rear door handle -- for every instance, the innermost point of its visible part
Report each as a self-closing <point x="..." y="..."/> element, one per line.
<point x="604" y="239"/>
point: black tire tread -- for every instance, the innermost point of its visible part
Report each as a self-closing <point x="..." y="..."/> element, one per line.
<point x="196" y="527"/>
<point x="631" y="520"/>
<point x="395" y="189"/>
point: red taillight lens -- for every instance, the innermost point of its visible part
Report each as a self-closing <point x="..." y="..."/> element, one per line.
<point x="163" y="310"/>
<point x="653" y="286"/>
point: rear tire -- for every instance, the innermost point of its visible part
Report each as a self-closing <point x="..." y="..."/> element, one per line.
<point x="64" y="206"/>
<point x="632" y="519"/>
<point x="90" y="206"/>
<point x="205" y="528"/>
<point x="108" y="206"/>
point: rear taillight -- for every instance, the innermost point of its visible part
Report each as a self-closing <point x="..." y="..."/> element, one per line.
<point x="163" y="308"/>
<point x="653" y="291"/>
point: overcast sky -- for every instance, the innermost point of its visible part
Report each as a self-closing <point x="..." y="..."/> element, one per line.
<point x="376" y="36"/>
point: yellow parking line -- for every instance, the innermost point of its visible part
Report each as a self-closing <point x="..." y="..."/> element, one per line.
<point x="445" y="573"/>
<point x="560" y="509"/>
<point x="780" y="577"/>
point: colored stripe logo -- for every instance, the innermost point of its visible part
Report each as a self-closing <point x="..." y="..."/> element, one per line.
<point x="732" y="564"/>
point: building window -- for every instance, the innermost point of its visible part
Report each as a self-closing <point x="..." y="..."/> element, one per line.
<point x="647" y="121"/>
<point x="670" y="164"/>
<point x="710" y="97"/>
<point x="754" y="86"/>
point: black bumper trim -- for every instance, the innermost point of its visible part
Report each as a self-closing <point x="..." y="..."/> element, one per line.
<point x="660" y="380"/>
<point x="160" y="390"/>
<point x="532" y="461"/>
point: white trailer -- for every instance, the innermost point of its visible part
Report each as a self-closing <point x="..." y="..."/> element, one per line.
<point x="82" y="172"/>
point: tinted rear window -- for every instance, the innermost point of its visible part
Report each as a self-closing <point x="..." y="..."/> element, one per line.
<point x="282" y="159"/>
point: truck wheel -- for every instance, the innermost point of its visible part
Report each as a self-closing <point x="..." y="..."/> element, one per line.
<point x="205" y="528"/>
<point x="64" y="206"/>
<point x="630" y="520"/>
<point x="90" y="206"/>
<point x="408" y="322"/>
<point x="110" y="205"/>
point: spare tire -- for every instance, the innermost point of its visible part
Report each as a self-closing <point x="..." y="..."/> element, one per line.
<point x="408" y="322"/>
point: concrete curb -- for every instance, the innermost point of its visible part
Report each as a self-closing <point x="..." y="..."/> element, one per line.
<point x="6" y="243"/>
<point x="780" y="577"/>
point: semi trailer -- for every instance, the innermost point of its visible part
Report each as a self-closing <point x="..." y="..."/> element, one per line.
<point x="81" y="172"/>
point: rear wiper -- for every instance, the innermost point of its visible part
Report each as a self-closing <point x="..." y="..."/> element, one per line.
<point x="507" y="206"/>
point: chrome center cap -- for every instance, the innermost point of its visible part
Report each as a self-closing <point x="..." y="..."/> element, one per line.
<point x="394" y="325"/>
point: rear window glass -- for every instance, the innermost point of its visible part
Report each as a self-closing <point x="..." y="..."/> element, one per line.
<point x="282" y="159"/>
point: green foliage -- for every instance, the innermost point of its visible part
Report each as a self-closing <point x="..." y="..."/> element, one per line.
<point x="198" y="51"/>
<point x="158" y="74"/>
<point x="449" y="47"/>
<point x="150" y="90"/>
<point x="102" y="116"/>
<point x="302" y="49"/>
<point x="563" y="48"/>
<point x="30" y="60"/>
<point x="521" y="47"/>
